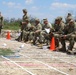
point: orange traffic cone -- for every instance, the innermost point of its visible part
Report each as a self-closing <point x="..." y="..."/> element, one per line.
<point x="8" y="35"/>
<point x="52" y="45"/>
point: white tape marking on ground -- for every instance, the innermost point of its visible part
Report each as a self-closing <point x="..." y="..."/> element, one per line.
<point x="64" y="61"/>
<point x="26" y="68"/>
<point x="18" y="65"/>
<point x="17" y="61"/>
<point x="59" y="58"/>
<point x="48" y="66"/>
<point x="68" y="62"/>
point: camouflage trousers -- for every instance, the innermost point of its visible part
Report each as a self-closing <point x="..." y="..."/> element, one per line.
<point x="37" y="37"/>
<point x="0" y="28"/>
<point x="20" y="37"/>
<point x="31" y="35"/>
<point x="57" y="39"/>
<point x="45" y="37"/>
<point x="26" y="36"/>
<point x="71" y="39"/>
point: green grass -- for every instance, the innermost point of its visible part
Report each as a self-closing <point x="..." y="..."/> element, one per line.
<point x="4" y="51"/>
<point x="11" y="26"/>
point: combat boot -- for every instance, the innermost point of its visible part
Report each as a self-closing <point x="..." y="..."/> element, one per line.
<point x="40" y="45"/>
<point x="70" y="52"/>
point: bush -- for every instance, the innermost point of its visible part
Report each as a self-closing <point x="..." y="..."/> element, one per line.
<point x="11" y="26"/>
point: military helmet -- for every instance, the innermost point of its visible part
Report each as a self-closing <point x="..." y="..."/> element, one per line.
<point x="24" y="10"/>
<point x="56" y="19"/>
<point x="69" y="13"/>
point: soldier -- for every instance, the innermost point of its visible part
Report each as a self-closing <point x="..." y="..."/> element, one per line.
<point x="69" y="34"/>
<point x="68" y="18"/>
<point x="25" y="16"/>
<point x="37" y="32"/>
<point x="26" y="31"/>
<point x="46" y="29"/>
<point x="1" y="22"/>
<point x="23" y="24"/>
<point x="46" y="24"/>
<point x="58" y="30"/>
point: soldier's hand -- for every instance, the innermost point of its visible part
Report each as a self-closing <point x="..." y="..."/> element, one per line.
<point x="37" y="31"/>
<point x="23" y="23"/>
<point x="64" y="36"/>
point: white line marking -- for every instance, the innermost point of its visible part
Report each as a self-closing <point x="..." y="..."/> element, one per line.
<point x="50" y="67"/>
<point x="26" y="68"/>
<point x="59" y="58"/>
<point x="18" y="65"/>
<point x="55" y="58"/>
<point x="64" y="61"/>
<point x="67" y="62"/>
<point x="18" y="61"/>
<point x="47" y="55"/>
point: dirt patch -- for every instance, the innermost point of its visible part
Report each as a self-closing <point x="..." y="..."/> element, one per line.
<point x="30" y="60"/>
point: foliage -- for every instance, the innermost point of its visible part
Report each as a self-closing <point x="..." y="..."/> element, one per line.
<point x="14" y="24"/>
<point x="11" y="24"/>
<point x="4" y="51"/>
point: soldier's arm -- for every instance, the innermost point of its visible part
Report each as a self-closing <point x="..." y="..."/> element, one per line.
<point x="2" y="20"/>
<point x="39" y="29"/>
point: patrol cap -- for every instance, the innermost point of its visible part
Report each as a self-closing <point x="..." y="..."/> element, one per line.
<point x="37" y="20"/>
<point x="71" y="21"/>
<point x="45" y="19"/>
<point x="56" y="19"/>
<point x="69" y="18"/>
<point x="24" y="10"/>
<point x="59" y="18"/>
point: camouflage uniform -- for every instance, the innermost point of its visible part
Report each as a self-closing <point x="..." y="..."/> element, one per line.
<point x="26" y="31"/>
<point x="68" y="18"/>
<point x="45" y="35"/>
<point x="23" y="24"/>
<point x="1" y="22"/>
<point x="69" y="34"/>
<point x="58" y="30"/>
<point x="37" y="32"/>
<point x="24" y="18"/>
<point x="31" y="34"/>
<point x="75" y="27"/>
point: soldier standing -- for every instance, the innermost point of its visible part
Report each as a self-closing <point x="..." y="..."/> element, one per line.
<point x="23" y="24"/>
<point x="1" y="22"/>
<point x="26" y="31"/>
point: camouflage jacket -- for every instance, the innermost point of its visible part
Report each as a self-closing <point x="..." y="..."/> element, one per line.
<point x="70" y="29"/>
<point x="1" y="20"/>
<point x="47" y="26"/>
<point x="38" y="27"/>
<point x="59" y="28"/>
<point x="27" y="27"/>
<point x="25" y="17"/>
